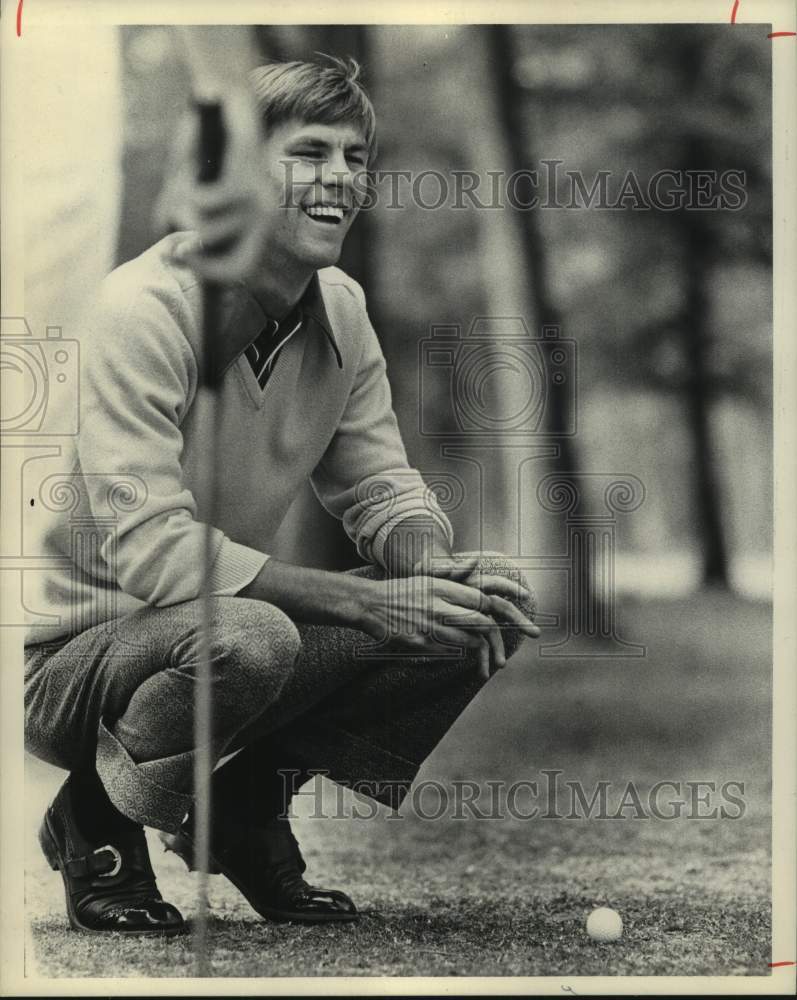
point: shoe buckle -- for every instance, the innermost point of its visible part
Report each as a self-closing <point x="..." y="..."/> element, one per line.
<point x="117" y="861"/>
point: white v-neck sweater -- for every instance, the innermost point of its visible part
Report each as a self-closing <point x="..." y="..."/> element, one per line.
<point x="119" y="512"/>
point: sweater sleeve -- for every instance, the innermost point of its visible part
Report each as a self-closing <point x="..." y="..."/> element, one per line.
<point x="364" y="478"/>
<point x="137" y="380"/>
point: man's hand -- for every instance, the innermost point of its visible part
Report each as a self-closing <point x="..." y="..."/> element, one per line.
<point x="226" y="216"/>
<point x="418" y="548"/>
<point x="426" y="616"/>
<point x="422" y="615"/>
<point x="466" y="569"/>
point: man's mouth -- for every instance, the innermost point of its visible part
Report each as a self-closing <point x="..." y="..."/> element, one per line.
<point x="330" y="215"/>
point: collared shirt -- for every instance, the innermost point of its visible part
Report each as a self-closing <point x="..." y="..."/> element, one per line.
<point x="263" y="352"/>
<point x="245" y="320"/>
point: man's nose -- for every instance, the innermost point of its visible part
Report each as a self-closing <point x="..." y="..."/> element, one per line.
<point x="336" y="172"/>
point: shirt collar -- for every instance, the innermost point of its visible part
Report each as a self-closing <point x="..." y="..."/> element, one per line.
<point x="244" y="320"/>
<point x="312" y="305"/>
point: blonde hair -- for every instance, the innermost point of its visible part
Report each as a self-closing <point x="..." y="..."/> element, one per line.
<point x="315" y="92"/>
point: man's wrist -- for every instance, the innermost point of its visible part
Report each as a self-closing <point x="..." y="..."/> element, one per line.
<point x="353" y="598"/>
<point x="311" y="596"/>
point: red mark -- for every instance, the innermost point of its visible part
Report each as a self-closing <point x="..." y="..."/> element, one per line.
<point x="777" y="965"/>
<point x="19" y="18"/>
<point x="772" y="34"/>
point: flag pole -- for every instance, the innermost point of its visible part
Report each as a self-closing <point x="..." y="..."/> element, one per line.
<point x="210" y="154"/>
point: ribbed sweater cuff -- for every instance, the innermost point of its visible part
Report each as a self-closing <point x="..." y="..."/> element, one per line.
<point x="234" y="567"/>
<point x="383" y="533"/>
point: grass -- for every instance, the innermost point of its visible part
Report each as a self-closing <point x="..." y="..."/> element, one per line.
<point x="509" y="897"/>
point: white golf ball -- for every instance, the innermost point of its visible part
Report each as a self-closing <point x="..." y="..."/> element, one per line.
<point x="604" y="924"/>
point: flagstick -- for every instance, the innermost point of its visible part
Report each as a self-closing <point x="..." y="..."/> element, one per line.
<point x="211" y="150"/>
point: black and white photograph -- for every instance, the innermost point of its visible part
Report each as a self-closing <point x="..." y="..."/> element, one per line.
<point x="398" y="484"/>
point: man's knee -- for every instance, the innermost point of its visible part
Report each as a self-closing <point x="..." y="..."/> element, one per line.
<point x="498" y="564"/>
<point x="253" y="645"/>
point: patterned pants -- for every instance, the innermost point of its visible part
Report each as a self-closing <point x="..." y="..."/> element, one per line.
<point x="120" y="697"/>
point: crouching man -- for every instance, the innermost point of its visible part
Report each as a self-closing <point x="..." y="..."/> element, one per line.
<point x="302" y="393"/>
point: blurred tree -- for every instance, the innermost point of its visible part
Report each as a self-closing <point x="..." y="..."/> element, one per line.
<point x="502" y="51"/>
<point x="647" y="291"/>
<point x="722" y="106"/>
<point x="697" y="239"/>
<point x="500" y="44"/>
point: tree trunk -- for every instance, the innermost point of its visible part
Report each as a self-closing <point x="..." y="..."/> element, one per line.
<point x="697" y="242"/>
<point x="510" y="102"/>
<point x="510" y="99"/>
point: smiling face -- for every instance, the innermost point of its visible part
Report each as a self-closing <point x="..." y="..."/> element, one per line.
<point x="315" y="184"/>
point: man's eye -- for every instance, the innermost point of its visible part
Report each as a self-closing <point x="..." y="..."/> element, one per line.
<point x="309" y="154"/>
<point x="357" y="159"/>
